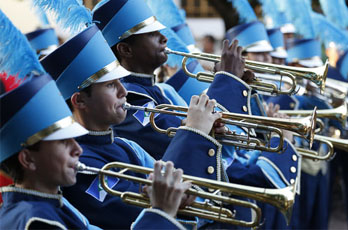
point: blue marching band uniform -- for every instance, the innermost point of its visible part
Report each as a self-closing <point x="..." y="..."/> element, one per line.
<point x="87" y="58"/>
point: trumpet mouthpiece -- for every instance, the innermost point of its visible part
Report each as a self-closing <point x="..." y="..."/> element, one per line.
<point x="167" y="50"/>
<point x="126" y="106"/>
<point x="80" y="166"/>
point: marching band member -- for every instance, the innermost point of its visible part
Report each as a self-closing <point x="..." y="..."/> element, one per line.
<point x="96" y="96"/>
<point x="140" y="50"/>
<point x="39" y="153"/>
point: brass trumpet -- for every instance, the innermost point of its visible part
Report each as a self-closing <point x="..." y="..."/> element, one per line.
<point x="283" y="198"/>
<point x="339" y="113"/>
<point x="316" y="75"/>
<point x="311" y="154"/>
<point x="303" y="126"/>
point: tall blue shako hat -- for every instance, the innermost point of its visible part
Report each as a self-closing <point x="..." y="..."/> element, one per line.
<point x="275" y="36"/>
<point x="35" y="110"/>
<point x="274" y="16"/>
<point x="181" y="40"/>
<point x="305" y="51"/>
<point x="84" y="59"/>
<point x="120" y="19"/>
<point x="251" y="33"/>
<point x="169" y="15"/>
<point x="336" y="12"/>
<point x="44" y="41"/>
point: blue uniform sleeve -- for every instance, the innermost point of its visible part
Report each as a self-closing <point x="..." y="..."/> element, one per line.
<point x="145" y="158"/>
<point x="230" y="92"/>
<point x="280" y="169"/>
<point x="197" y="153"/>
<point x="171" y="94"/>
<point x="155" y="219"/>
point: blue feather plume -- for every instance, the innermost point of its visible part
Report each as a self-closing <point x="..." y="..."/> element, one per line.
<point x="298" y="12"/>
<point x="166" y="12"/>
<point x="174" y="43"/>
<point x="328" y="32"/>
<point x="336" y="11"/>
<point x="245" y="11"/>
<point x="16" y="54"/>
<point x="41" y="15"/>
<point x="269" y="9"/>
<point x="70" y="14"/>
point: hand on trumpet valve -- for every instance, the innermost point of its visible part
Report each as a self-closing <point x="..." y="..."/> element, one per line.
<point x="231" y="59"/>
<point x="272" y="111"/>
<point x="200" y="114"/>
<point x="168" y="190"/>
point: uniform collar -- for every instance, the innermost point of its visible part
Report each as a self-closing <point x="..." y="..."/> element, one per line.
<point x="98" y="137"/>
<point x="12" y="194"/>
<point x="141" y="78"/>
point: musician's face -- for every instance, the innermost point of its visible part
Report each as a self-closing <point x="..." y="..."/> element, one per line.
<point x="278" y="61"/>
<point x="104" y="105"/>
<point x="260" y="56"/>
<point x="53" y="164"/>
<point x="148" y="50"/>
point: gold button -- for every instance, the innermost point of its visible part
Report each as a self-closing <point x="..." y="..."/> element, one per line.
<point x="211" y="152"/>
<point x="245" y="109"/>
<point x="292" y="169"/>
<point x="211" y="190"/>
<point x="245" y="93"/>
<point x="292" y="181"/>
<point x="294" y="157"/>
<point x="292" y="105"/>
<point x="211" y="170"/>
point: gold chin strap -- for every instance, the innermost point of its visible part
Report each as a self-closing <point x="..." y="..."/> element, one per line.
<point x="61" y="124"/>
<point x="138" y="27"/>
<point x="95" y="77"/>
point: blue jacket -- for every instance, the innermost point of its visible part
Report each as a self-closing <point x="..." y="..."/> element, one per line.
<point x="98" y="150"/>
<point x="28" y="209"/>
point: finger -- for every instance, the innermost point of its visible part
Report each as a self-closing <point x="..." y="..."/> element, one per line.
<point x="194" y="100"/>
<point x="248" y="76"/>
<point x="217" y="116"/>
<point x="177" y="176"/>
<point x="239" y="51"/>
<point x="276" y="108"/>
<point x="168" y="170"/>
<point x="220" y="130"/>
<point x="203" y="99"/>
<point x="150" y="177"/>
<point x="218" y="124"/>
<point x="157" y="170"/>
<point x="211" y="105"/>
<point x="225" y="45"/>
<point x="233" y="46"/>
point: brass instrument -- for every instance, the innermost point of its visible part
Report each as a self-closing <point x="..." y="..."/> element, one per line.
<point x="303" y="126"/>
<point x="338" y="143"/>
<point x="339" y="113"/>
<point x="311" y="154"/>
<point x="283" y="198"/>
<point x="316" y="75"/>
<point x="257" y="83"/>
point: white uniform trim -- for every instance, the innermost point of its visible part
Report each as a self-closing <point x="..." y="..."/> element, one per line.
<point x="50" y="222"/>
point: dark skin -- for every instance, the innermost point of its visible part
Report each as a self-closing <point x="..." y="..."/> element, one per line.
<point x="233" y="62"/>
<point x="144" y="53"/>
